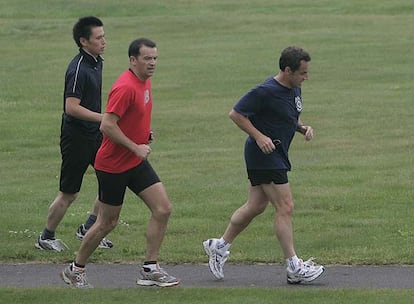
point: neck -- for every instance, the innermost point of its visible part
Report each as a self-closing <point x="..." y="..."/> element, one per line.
<point x="282" y="80"/>
<point x="137" y="75"/>
<point x="86" y="51"/>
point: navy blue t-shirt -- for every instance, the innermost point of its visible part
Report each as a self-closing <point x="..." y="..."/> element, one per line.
<point x="274" y="110"/>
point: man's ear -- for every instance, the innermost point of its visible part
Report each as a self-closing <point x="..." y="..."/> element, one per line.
<point x="83" y="41"/>
<point x="132" y="60"/>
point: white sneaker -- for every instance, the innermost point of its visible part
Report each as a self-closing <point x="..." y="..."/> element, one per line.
<point x="216" y="258"/>
<point x="158" y="277"/>
<point x="49" y="244"/>
<point x="306" y="272"/>
<point x="75" y="278"/>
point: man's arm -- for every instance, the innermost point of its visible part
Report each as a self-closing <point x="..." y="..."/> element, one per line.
<point x="73" y="108"/>
<point x="265" y="143"/>
<point x="109" y="127"/>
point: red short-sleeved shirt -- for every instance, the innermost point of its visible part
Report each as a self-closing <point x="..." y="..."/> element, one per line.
<point x="131" y="100"/>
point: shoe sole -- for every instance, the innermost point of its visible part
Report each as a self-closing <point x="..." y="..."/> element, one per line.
<point x="38" y="246"/>
<point x="104" y="247"/>
<point x="211" y="261"/>
<point x="79" y="236"/>
<point x="307" y="280"/>
<point x="159" y="284"/>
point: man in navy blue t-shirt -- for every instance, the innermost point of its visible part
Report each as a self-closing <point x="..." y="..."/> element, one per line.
<point x="269" y="114"/>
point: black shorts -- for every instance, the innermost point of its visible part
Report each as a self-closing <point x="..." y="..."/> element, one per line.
<point x="112" y="186"/>
<point x="259" y="177"/>
<point x="78" y="152"/>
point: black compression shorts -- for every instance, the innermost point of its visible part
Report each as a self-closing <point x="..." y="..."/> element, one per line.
<point x="259" y="177"/>
<point x="112" y="186"/>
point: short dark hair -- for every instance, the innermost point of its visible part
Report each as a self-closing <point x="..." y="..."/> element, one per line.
<point x="291" y="57"/>
<point x="135" y="46"/>
<point x="83" y="28"/>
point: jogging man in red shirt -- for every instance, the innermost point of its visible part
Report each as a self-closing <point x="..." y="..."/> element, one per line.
<point x="121" y="163"/>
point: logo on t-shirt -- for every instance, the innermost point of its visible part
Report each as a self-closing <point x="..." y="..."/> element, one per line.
<point x="298" y="103"/>
<point x="146" y="96"/>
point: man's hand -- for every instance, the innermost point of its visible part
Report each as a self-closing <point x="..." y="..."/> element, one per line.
<point x="142" y="151"/>
<point x="265" y="144"/>
<point x="307" y="132"/>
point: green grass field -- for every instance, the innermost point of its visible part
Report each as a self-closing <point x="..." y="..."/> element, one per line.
<point x="353" y="184"/>
<point x="208" y="295"/>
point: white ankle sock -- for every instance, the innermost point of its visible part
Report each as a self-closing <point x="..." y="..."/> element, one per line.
<point x="293" y="262"/>
<point x="77" y="269"/>
<point x="151" y="267"/>
<point x="223" y="245"/>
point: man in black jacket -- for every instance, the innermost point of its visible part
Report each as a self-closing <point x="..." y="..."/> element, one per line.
<point x="80" y="136"/>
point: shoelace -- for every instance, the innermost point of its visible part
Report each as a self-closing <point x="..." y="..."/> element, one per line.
<point x="306" y="266"/>
<point x="166" y="276"/>
<point x="309" y="262"/>
<point x="224" y="258"/>
<point x="81" y="279"/>
<point x="221" y="259"/>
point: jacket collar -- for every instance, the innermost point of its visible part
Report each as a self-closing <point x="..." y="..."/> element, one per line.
<point x="90" y="57"/>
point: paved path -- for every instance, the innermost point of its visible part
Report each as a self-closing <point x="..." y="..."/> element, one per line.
<point x="271" y="276"/>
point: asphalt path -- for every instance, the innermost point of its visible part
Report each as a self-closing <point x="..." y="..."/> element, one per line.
<point x="268" y="276"/>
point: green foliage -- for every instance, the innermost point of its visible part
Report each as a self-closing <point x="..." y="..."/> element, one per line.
<point x="352" y="184"/>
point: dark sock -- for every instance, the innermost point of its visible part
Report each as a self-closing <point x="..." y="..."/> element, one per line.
<point x="90" y="221"/>
<point x="78" y="265"/>
<point x="48" y="234"/>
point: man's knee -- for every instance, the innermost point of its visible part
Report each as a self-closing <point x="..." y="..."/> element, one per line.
<point x="163" y="210"/>
<point x="106" y="225"/>
<point x="63" y="200"/>
<point x="286" y="207"/>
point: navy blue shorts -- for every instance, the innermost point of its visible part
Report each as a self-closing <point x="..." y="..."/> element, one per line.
<point x="112" y="186"/>
<point x="259" y="177"/>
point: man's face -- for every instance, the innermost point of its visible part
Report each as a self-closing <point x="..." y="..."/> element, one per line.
<point x="96" y="43"/>
<point x="300" y="75"/>
<point x="144" y="65"/>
